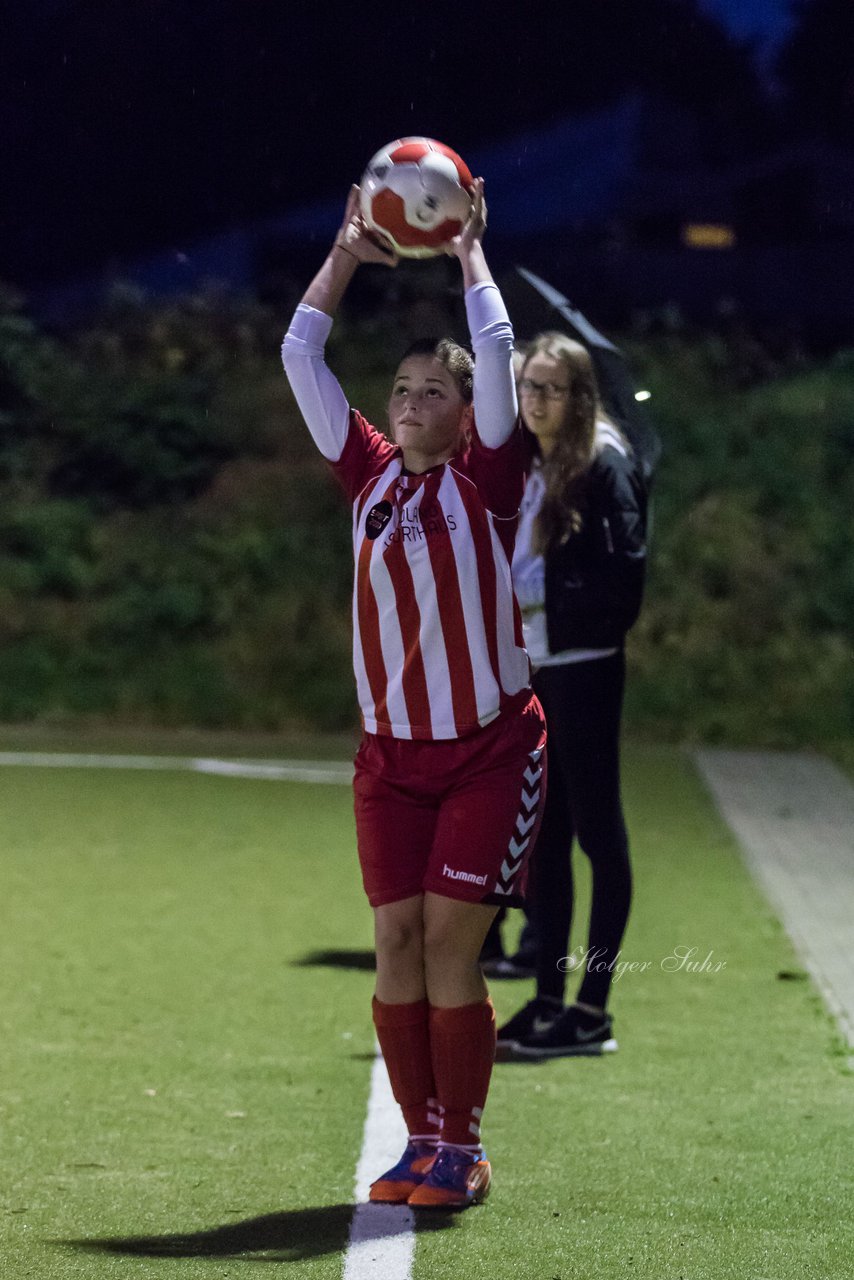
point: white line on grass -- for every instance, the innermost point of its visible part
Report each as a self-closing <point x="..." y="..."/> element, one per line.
<point x="322" y="771"/>
<point x="382" y="1238"/>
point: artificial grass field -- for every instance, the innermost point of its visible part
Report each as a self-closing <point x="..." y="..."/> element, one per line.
<point x="178" y="1059"/>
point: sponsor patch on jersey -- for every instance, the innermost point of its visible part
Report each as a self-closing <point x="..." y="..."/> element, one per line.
<point x="377" y="519"/>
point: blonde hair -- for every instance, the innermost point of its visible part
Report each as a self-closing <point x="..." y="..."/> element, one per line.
<point x="562" y="511"/>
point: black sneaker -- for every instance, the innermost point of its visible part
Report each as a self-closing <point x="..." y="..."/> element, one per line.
<point x="522" y="965"/>
<point x="573" y="1034"/>
<point x="536" y="1016"/>
<point x="490" y="964"/>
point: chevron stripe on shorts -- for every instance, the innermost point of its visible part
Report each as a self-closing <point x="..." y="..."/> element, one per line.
<point x="526" y="821"/>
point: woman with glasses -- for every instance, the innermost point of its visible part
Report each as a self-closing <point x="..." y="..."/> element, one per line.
<point x="578" y="571"/>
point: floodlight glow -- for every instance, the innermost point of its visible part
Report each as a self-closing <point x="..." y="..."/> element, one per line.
<point x="708" y="235"/>
<point x="643" y="395"/>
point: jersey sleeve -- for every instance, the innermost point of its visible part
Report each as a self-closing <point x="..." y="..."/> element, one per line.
<point x="366" y="453"/>
<point x="355" y="450"/>
<point x="317" y="391"/>
<point x="499" y="473"/>
<point x="495" y="404"/>
<point x="496" y="457"/>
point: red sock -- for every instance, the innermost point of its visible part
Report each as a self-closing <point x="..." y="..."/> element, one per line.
<point x="403" y="1031"/>
<point x="462" y="1042"/>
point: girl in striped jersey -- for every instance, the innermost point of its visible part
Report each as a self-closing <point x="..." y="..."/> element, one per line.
<point x="450" y="774"/>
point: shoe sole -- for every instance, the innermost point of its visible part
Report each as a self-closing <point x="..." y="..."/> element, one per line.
<point x="446" y="1206"/>
<point x="566" y="1051"/>
<point x="393" y="1193"/>
<point x="398" y="1190"/>
<point x="478" y="1197"/>
<point x="508" y="1051"/>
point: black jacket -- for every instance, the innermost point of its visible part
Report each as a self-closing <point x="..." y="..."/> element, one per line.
<point x="595" y="579"/>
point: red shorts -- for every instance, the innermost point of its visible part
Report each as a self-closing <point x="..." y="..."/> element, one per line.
<point x="456" y="817"/>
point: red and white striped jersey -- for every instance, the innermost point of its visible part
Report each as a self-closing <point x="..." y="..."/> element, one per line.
<point x="437" y="635"/>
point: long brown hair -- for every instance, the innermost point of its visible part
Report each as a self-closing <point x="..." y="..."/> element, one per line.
<point x="562" y="511"/>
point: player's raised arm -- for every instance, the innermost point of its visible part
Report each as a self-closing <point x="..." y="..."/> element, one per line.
<point x="468" y="245"/>
<point x="318" y="392"/>
<point x="353" y="245"/>
<point x="495" y="405"/>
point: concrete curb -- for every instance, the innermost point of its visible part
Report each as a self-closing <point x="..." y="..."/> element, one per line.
<point x="793" y="815"/>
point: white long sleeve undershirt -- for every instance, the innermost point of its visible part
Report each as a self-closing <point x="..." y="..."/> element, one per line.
<point x="325" y="408"/>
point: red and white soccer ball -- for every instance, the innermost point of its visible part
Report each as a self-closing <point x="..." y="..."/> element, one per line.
<point x="415" y="192"/>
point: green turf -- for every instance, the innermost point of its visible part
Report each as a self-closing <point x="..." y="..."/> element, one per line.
<point x="296" y="744"/>
<point x="172" y="1066"/>
<point x="843" y="754"/>
<point x="168" y="1066"/>
<point x="717" y="1142"/>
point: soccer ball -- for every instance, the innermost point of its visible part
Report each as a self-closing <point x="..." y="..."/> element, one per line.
<point x="415" y="192"/>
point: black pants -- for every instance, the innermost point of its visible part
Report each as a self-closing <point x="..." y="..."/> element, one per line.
<point x="583" y="705"/>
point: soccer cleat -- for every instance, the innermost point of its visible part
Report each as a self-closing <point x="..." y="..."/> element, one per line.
<point x="455" y="1181"/>
<point x="534" y="1017"/>
<point x="398" y="1183"/>
<point x="574" y="1034"/>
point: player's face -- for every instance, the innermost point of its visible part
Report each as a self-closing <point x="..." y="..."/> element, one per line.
<point x="543" y="397"/>
<point x="426" y="412"/>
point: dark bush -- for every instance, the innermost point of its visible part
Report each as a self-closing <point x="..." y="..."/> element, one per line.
<point x="173" y="550"/>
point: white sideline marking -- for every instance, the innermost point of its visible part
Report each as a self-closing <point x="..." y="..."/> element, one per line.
<point x="322" y="771"/>
<point x="382" y="1236"/>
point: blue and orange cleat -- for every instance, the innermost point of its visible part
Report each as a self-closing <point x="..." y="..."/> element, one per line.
<point x="398" y="1183"/>
<point x="455" y="1181"/>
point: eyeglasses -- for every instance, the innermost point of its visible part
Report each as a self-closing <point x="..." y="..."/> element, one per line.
<point x="551" y="391"/>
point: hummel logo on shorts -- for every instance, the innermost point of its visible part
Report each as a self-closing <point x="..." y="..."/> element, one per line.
<point x="468" y="876"/>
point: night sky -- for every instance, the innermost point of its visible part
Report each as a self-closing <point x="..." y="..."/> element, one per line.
<point x="127" y="128"/>
<point x="763" y="21"/>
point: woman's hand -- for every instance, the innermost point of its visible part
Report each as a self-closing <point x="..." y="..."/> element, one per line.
<point x="467" y="245"/>
<point x="361" y="243"/>
<point x="472" y="233"/>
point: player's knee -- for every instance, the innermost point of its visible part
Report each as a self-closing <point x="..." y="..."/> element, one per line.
<point x="447" y="947"/>
<point x="399" y="939"/>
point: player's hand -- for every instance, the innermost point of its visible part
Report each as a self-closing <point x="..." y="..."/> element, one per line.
<point x="357" y="239"/>
<point x="472" y="232"/>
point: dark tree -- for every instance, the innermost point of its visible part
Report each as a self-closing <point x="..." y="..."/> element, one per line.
<point x="816" y="70"/>
<point x="129" y="128"/>
<point x="683" y="54"/>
